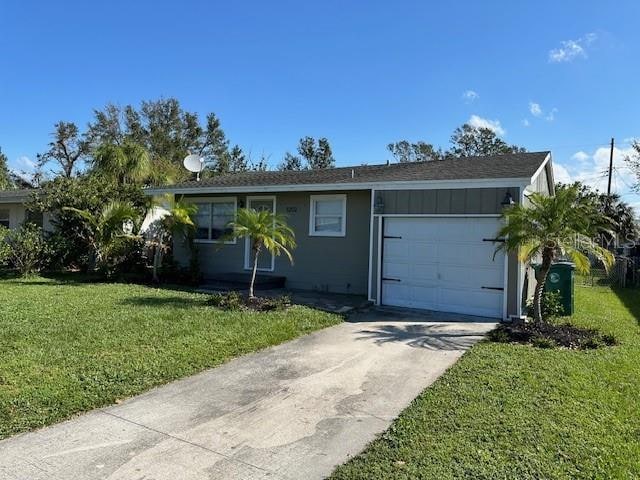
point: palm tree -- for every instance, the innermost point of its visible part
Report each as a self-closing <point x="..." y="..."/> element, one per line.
<point x="564" y="225"/>
<point x="114" y="222"/>
<point x="265" y="230"/>
<point x="176" y="220"/>
<point x="125" y="163"/>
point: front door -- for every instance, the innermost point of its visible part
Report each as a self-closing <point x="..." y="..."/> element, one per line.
<point x="266" y="260"/>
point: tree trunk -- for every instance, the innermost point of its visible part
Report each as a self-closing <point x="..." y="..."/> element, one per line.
<point x="256" y="252"/>
<point x="157" y="259"/>
<point x="541" y="278"/>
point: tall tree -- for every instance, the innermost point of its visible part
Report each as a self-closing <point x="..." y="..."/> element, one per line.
<point x="122" y="163"/>
<point x="68" y="149"/>
<point x="470" y="141"/>
<point x="623" y="227"/>
<point x="290" y="162"/>
<point x="318" y="155"/>
<point x="405" y="151"/>
<point x="6" y="181"/>
<point x="168" y="133"/>
<point x="633" y="161"/>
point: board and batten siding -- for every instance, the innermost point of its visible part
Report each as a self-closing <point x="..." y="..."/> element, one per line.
<point x="332" y="264"/>
<point x="464" y="201"/>
<point x="471" y="201"/>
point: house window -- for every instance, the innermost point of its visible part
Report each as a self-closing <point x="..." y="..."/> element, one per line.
<point x="212" y="219"/>
<point x="4" y="217"/>
<point x="328" y="216"/>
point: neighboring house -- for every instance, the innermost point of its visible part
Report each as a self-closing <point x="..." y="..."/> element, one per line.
<point x="420" y="235"/>
<point x="12" y="209"/>
<point x="13" y="212"/>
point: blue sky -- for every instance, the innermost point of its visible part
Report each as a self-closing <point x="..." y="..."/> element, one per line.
<point x="546" y="75"/>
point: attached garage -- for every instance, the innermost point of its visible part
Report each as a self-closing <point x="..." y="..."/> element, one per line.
<point x="444" y="264"/>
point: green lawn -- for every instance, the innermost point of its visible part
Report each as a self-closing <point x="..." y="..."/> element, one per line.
<point x="68" y="347"/>
<point x="517" y="412"/>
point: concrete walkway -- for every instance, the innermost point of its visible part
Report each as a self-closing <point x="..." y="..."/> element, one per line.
<point x="294" y="411"/>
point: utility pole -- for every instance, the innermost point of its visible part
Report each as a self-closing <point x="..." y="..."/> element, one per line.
<point x="610" y="168"/>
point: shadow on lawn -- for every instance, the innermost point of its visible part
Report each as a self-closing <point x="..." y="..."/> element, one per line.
<point x="631" y="299"/>
<point x="173" y="302"/>
<point x="432" y="337"/>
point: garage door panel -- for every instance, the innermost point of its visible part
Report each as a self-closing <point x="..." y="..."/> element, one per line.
<point x="481" y="277"/>
<point x="424" y="274"/>
<point x="396" y="270"/>
<point x="423" y="252"/>
<point x="442" y="264"/>
<point x="481" y="302"/>
<point x="479" y="253"/>
<point x="394" y="249"/>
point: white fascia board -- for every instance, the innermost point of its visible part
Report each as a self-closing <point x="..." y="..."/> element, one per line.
<point x="321" y="187"/>
<point x="540" y="168"/>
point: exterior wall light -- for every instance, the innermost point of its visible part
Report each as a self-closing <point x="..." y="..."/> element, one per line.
<point x="507" y="201"/>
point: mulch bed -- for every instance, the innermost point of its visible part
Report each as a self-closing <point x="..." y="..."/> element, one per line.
<point x="549" y="335"/>
<point x="235" y="301"/>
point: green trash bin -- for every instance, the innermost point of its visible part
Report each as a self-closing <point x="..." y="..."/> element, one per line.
<point x="561" y="279"/>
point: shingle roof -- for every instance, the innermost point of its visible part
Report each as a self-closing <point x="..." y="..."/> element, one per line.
<point x="518" y="165"/>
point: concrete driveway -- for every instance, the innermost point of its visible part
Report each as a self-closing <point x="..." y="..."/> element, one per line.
<point x="292" y="411"/>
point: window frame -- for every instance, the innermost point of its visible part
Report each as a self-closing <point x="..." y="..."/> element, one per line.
<point x="247" y="245"/>
<point x="313" y="199"/>
<point x="6" y="219"/>
<point x="211" y="201"/>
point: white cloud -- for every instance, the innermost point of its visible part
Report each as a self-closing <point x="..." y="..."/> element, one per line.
<point x="470" y="95"/>
<point x="525" y="122"/>
<point x="493" y="125"/>
<point x="592" y="169"/>
<point x="535" y="109"/>
<point x="26" y="164"/>
<point x="571" y="49"/>
<point x="580" y="156"/>
<point x="551" y="115"/>
<point x="561" y="174"/>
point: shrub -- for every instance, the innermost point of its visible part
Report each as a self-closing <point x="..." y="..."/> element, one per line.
<point x="227" y="301"/>
<point x="5" y="249"/>
<point x="551" y="305"/>
<point x="88" y="193"/>
<point x="234" y="301"/>
<point x="28" y="250"/>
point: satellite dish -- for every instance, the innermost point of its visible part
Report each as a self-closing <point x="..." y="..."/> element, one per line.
<point x="194" y="163"/>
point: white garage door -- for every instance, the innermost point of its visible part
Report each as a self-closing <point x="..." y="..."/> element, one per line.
<point x="443" y="264"/>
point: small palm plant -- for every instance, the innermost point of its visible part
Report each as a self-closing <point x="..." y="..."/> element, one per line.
<point x="266" y="231"/>
<point x="113" y="223"/>
<point x="563" y="225"/>
<point x="176" y="222"/>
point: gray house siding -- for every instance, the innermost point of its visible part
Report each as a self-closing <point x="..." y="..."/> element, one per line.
<point x="470" y="201"/>
<point x="333" y="264"/>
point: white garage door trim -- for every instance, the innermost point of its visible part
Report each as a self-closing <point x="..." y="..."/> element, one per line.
<point x="445" y="289"/>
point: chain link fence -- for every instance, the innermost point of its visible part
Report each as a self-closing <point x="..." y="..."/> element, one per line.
<point x="624" y="273"/>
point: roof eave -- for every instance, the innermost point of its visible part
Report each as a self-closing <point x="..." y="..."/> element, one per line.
<point x="396" y="185"/>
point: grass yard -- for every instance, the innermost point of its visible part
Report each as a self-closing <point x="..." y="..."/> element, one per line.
<point x="516" y="412"/>
<point x="68" y="347"/>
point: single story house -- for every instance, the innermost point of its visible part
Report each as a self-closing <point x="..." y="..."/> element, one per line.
<point x="418" y="235"/>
